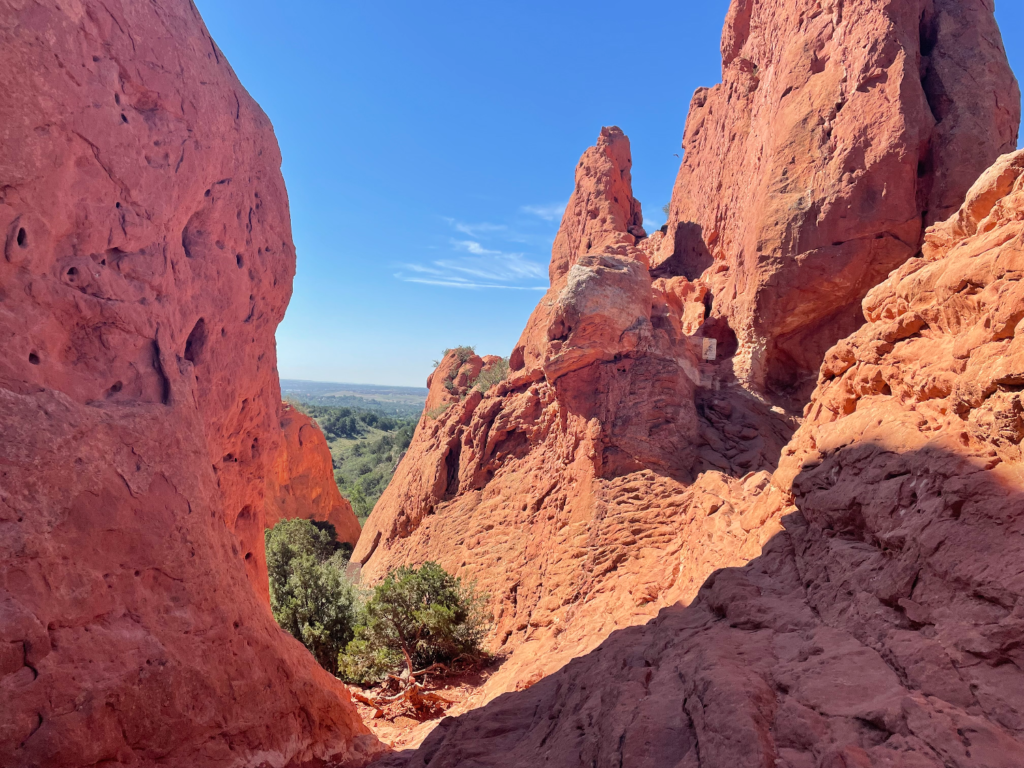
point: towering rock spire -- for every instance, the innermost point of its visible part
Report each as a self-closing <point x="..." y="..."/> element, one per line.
<point x="840" y="130"/>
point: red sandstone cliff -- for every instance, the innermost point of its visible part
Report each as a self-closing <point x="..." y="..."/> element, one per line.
<point x="147" y="262"/>
<point x="839" y="131"/>
<point x="883" y="626"/>
<point x="300" y="481"/>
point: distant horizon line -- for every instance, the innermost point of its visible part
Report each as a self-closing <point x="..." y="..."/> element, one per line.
<point x="353" y="384"/>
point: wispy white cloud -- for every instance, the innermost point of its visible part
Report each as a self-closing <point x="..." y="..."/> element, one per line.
<point x="546" y="212"/>
<point x="476" y="230"/>
<point x="480" y="262"/>
<point x="484" y="269"/>
<point x="454" y="283"/>
<point x="473" y="247"/>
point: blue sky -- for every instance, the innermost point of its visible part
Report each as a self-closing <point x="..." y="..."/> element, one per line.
<point x="428" y="150"/>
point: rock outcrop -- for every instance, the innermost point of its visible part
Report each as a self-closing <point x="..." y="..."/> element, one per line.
<point x="300" y="481"/>
<point x="883" y="625"/>
<point x="570" y="490"/>
<point x="628" y="453"/>
<point x="840" y="130"/>
<point x="147" y="262"/>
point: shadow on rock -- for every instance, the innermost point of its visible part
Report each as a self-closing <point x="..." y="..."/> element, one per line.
<point x="882" y="627"/>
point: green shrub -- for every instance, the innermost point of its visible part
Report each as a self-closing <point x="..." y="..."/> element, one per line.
<point x="494" y="374"/>
<point x="416" y="617"/>
<point x="433" y="413"/>
<point x="309" y="596"/>
<point x="463" y="353"/>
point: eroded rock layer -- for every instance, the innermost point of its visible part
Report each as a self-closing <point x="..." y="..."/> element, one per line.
<point x="883" y="626"/>
<point x="840" y="130"/>
<point x="300" y="482"/>
<point x="147" y="262"/>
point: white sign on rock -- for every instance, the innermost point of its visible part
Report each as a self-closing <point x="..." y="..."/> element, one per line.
<point x="710" y="349"/>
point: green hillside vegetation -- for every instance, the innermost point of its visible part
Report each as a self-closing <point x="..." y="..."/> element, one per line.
<point x="366" y="447"/>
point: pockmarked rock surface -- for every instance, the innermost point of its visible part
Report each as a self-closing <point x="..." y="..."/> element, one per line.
<point x="840" y="130"/>
<point x="147" y="260"/>
<point x="300" y="483"/>
<point x="883" y="625"/>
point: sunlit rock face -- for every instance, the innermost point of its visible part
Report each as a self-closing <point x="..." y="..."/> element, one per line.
<point x="147" y="260"/>
<point x="300" y="481"/>
<point x="839" y="132"/>
<point x="882" y="625"/>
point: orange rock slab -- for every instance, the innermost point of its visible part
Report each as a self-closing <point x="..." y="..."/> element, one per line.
<point x="621" y="463"/>
<point x="147" y="261"/>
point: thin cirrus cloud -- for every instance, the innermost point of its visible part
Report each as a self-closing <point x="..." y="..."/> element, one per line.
<point x="477" y="267"/>
<point x="547" y="212"/>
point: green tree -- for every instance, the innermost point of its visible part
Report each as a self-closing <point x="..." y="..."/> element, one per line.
<point x="309" y="596"/>
<point x="416" y="617"/>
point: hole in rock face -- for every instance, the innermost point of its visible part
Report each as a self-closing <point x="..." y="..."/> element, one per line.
<point x="73" y="273"/>
<point x="238" y="260"/>
<point x="22" y="238"/>
<point x="196" y="341"/>
<point x="33" y="358"/>
<point x="451" y="462"/>
<point x="116" y="387"/>
<point x="117" y="99"/>
<point x="124" y="118"/>
<point x="718" y="328"/>
<point x="248" y="556"/>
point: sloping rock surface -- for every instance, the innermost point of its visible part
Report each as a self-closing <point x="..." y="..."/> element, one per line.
<point x="147" y="260"/>
<point x="840" y="130"/>
<point x="883" y="626"/>
<point x="300" y="483"/>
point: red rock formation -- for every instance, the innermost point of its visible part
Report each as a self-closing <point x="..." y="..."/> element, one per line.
<point x="883" y="627"/>
<point x="147" y="262"/>
<point x="621" y="463"/>
<point x="839" y="131"/>
<point x="568" y="490"/>
<point x="300" y="482"/>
